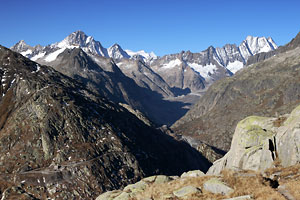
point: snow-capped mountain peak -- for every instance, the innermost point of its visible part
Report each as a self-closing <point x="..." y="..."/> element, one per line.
<point x="77" y="38"/>
<point x="231" y="57"/>
<point x="144" y="55"/>
<point x="80" y="39"/>
<point x="254" y="45"/>
<point x="116" y="52"/>
<point x="258" y="44"/>
<point x="21" y="46"/>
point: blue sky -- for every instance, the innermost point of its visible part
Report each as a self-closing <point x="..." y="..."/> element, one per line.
<point x="162" y="26"/>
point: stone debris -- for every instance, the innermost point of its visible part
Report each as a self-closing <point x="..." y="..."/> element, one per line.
<point x="187" y="190"/>
<point x="215" y="185"/>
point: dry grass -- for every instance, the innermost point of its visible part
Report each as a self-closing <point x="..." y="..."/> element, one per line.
<point x="250" y="183"/>
<point x="243" y="183"/>
<point x="279" y="121"/>
<point x="4" y="184"/>
<point x="285" y="173"/>
<point x="288" y="177"/>
<point x="290" y="171"/>
<point x="161" y="191"/>
<point x="293" y="186"/>
<point x="277" y="161"/>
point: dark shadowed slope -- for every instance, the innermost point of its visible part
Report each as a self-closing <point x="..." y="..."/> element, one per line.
<point x="59" y="140"/>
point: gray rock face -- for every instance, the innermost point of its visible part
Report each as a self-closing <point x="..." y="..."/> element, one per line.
<point x="216" y="186"/>
<point x="159" y="179"/>
<point x="250" y="147"/>
<point x="187" y="190"/>
<point x="194" y="173"/>
<point x="176" y="72"/>
<point x="137" y="187"/>
<point x="60" y="140"/>
<point x="245" y="197"/>
<point x="258" y="141"/>
<point x="144" y="76"/>
<point x="111" y="195"/>
<point x="228" y="54"/>
<point x="263" y="89"/>
<point x="288" y="139"/>
<point x="133" y="190"/>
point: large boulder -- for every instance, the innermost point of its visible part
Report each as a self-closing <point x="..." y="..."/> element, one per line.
<point x="258" y="141"/>
<point x="250" y="147"/>
<point x="288" y="139"/>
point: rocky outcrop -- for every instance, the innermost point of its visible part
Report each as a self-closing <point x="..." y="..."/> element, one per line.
<point x="267" y="88"/>
<point x="187" y="191"/>
<point x="250" y="147"/>
<point x="216" y="186"/>
<point x="259" y="141"/>
<point x="288" y="139"/>
<point x="60" y="140"/>
<point x="274" y="183"/>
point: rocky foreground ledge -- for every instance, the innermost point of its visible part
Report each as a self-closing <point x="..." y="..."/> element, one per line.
<point x="263" y="163"/>
<point x="275" y="183"/>
<point x="260" y="143"/>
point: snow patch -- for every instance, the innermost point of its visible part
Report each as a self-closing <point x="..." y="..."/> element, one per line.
<point x="142" y="53"/>
<point x="271" y="41"/>
<point x="204" y="71"/>
<point x="38" y="67"/>
<point x="171" y="64"/>
<point x="122" y="65"/>
<point x="235" y="66"/>
<point x="51" y="57"/>
<point x="62" y="44"/>
<point x="89" y="39"/>
<point x="26" y="52"/>
<point x="3" y="79"/>
<point x="40" y="55"/>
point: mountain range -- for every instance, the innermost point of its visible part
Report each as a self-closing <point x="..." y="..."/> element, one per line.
<point x="268" y="86"/>
<point x="60" y="140"/>
<point x="78" y="119"/>
<point x="230" y="56"/>
<point x="144" y="80"/>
